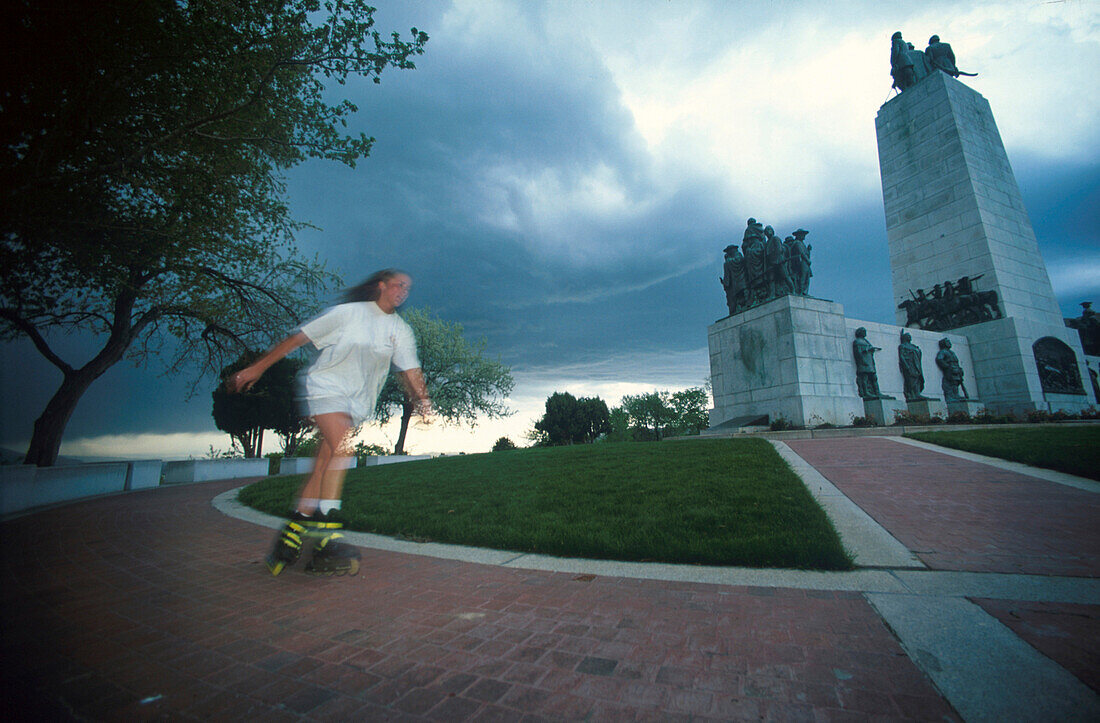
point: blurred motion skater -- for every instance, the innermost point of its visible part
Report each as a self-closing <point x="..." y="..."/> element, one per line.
<point x="359" y="341"/>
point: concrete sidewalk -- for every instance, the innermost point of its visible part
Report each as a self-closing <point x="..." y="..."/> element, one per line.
<point x="978" y="598"/>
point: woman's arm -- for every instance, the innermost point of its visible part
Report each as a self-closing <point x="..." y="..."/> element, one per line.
<point x="417" y="391"/>
<point x="243" y="380"/>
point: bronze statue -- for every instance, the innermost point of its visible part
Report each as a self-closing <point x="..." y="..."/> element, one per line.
<point x="779" y="281"/>
<point x="800" y="262"/>
<point x="755" y="264"/>
<point x="948" y="363"/>
<point x="733" y="279"/>
<point x="912" y="371"/>
<point x="941" y="57"/>
<point x="1088" y="328"/>
<point x="765" y="267"/>
<point x="921" y="67"/>
<point x="866" y="376"/>
<point x="901" y="65"/>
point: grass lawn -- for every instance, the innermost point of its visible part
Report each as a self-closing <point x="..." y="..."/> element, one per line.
<point x="712" y="502"/>
<point x="1074" y="449"/>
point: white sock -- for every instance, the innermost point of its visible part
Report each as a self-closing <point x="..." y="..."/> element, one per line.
<point x="310" y="503"/>
<point x="327" y="506"/>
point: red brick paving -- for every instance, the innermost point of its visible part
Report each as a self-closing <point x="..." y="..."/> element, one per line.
<point x="1066" y="633"/>
<point x="960" y="515"/>
<point x="154" y="604"/>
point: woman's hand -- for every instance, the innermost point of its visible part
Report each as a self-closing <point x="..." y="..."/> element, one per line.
<point x="243" y="380"/>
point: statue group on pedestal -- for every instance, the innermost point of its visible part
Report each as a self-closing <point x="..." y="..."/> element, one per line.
<point x="765" y="268"/>
<point x="909" y="66"/>
<point x="950" y="305"/>
<point x="912" y="372"/>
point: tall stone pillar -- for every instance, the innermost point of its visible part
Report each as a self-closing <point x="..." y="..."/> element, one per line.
<point x="953" y="209"/>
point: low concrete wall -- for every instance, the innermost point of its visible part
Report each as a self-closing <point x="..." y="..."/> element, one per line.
<point x="23" y="487"/>
<point x="394" y="459"/>
<point x="204" y="470"/>
<point x="304" y="465"/>
<point x="143" y="474"/>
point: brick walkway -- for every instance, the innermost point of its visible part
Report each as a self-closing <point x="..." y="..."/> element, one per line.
<point x="154" y="603"/>
<point x="961" y="515"/>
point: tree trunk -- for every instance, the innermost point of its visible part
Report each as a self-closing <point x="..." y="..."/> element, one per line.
<point x="50" y="426"/>
<point x="406" y="415"/>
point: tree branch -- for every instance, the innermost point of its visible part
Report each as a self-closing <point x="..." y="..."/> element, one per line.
<point x="36" y="338"/>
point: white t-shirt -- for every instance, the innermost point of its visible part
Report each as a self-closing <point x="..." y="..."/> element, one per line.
<point x="359" y="343"/>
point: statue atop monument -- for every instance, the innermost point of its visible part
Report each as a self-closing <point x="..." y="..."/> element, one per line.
<point x="733" y="279"/>
<point x="941" y="56"/>
<point x="901" y="63"/>
<point x="909" y="66"/>
<point x="766" y="267"/>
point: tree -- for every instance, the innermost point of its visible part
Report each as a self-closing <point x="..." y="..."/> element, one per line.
<point x="651" y="411"/>
<point x="569" y="420"/>
<point x="690" y="410"/>
<point x="503" y="444"/>
<point x="269" y="404"/>
<point x="142" y="144"/>
<point x="619" y="421"/>
<point x="286" y="417"/>
<point x="462" y="383"/>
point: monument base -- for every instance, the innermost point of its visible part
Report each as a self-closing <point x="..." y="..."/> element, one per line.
<point x="883" y="411"/>
<point x="927" y="408"/>
<point x="790" y="359"/>
<point x="969" y="407"/>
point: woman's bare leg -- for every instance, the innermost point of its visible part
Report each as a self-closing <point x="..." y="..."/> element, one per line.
<point x="324" y="483"/>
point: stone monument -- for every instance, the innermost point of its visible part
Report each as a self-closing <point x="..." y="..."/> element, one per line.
<point x="963" y="254"/>
<point x="971" y="290"/>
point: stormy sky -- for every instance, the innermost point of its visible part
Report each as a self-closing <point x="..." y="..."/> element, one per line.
<point x="561" y="178"/>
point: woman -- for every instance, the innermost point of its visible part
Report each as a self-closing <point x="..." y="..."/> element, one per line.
<point x="359" y="341"/>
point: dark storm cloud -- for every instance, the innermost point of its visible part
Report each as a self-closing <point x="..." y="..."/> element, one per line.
<point x="512" y="180"/>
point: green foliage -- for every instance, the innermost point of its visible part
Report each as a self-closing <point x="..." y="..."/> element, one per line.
<point x="142" y="144"/>
<point x="711" y="502"/>
<point x="308" y="446"/>
<point x="651" y="411"/>
<point x="568" y="420"/>
<point x="619" y="421"/>
<point x="503" y="444"/>
<point x="269" y="404"/>
<point x="462" y="383"/>
<point x="362" y="451"/>
<point x="690" y="409"/>
<point x="1071" y="449"/>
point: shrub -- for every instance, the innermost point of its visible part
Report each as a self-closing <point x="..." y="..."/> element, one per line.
<point x="1038" y="416"/>
<point x="1090" y="413"/>
<point x="903" y="417"/>
<point x="959" y="418"/>
<point x="867" y="421"/>
<point x="780" y="424"/>
<point x="503" y="444"/>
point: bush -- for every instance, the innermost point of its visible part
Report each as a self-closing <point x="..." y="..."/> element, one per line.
<point x="503" y="444"/>
<point x="959" y="418"/>
<point x="1090" y="413"/>
<point x="864" y="422"/>
<point x="1038" y="416"/>
<point x="780" y="425"/>
<point x="826" y="425"/>
<point x="987" y="417"/>
<point x="903" y="417"/>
